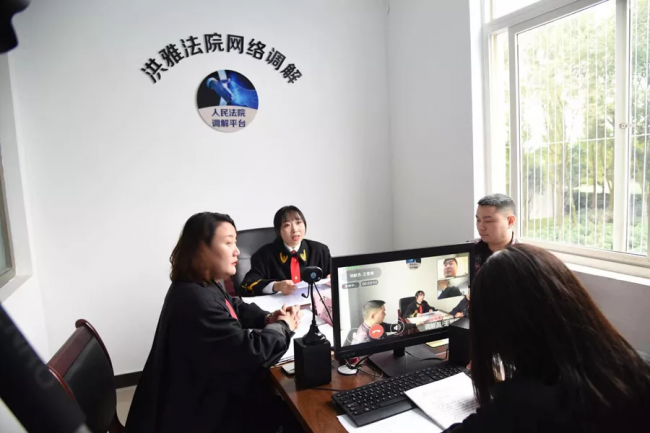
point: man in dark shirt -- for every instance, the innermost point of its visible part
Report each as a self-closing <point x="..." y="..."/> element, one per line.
<point x="462" y="309"/>
<point x="495" y="220"/>
<point x="447" y="290"/>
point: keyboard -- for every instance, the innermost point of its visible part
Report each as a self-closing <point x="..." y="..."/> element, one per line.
<point x="385" y="398"/>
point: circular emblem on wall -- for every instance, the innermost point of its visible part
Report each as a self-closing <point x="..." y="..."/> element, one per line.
<point x="227" y="101"/>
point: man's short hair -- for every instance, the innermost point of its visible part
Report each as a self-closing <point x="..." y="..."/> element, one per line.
<point x="370" y="307"/>
<point x="450" y="259"/>
<point x="283" y="214"/>
<point x="500" y="201"/>
<point x="418" y="293"/>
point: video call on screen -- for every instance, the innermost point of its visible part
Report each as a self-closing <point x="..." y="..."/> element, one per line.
<point x="377" y="301"/>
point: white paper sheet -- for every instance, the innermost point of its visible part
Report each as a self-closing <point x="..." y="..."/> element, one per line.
<point x="274" y="302"/>
<point x="413" y="420"/>
<point x="446" y="401"/>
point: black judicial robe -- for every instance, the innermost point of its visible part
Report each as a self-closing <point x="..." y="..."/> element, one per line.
<point x="206" y="369"/>
<point x="272" y="262"/>
<point x="415" y="308"/>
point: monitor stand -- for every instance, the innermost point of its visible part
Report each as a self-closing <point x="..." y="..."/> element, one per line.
<point x="397" y="362"/>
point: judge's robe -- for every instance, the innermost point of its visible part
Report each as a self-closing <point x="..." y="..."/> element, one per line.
<point x="272" y="262"/>
<point x="208" y="367"/>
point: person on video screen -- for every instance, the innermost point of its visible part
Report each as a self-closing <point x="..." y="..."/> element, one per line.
<point x="374" y="313"/>
<point x="462" y="309"/>
<point x="447" y="290"/>
<point x="450" y="267"/>
<point x="419" y="306"/>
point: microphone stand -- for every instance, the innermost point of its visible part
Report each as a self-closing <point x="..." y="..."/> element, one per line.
<point x="314" y="336"/>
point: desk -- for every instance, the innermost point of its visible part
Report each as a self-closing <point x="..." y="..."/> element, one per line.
<point x="315" y="409"/>
<point x="429" y="321"/>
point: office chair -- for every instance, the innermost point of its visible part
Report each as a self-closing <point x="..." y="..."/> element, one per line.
<point x="248" y="242"/>
<point x="83" y="368"/>
<point x="403" y="304"/>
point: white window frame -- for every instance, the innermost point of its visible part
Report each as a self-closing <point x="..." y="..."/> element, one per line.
<point x="525" y="19"/>
<point x="10" y="272"/>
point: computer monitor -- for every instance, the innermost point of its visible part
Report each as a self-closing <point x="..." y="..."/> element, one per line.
<point x="374" y="298"/>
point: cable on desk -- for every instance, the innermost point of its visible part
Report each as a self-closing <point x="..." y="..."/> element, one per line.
<point x="374" y="373"/>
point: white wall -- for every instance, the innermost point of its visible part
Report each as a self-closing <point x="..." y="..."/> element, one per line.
<point x="625" y="303"/>
<point x="429" y="71"/>
<point x="115" y="164"/>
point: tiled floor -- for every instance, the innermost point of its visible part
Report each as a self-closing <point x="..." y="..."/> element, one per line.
<point x="124" y="397"/>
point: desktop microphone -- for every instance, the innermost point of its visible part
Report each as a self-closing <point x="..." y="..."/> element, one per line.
<point x="312" y="353"/>
<point x="311" y="275"/>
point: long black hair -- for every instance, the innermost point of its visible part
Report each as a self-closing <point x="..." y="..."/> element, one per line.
<point x="531" y="314"/>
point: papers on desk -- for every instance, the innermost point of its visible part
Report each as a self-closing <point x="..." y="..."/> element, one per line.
<point x="446" y="401"/>
<point x="274" y="302"/>
<point x="303" y="328"/>
<point x="412" y="420"/>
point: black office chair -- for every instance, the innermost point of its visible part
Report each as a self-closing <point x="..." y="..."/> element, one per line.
<point x="83" y="368"/>
<point x="248" y="242"/>
<point x="403" y="304"/>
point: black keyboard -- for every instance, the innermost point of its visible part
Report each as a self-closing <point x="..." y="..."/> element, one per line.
<point x="385" y="398"/>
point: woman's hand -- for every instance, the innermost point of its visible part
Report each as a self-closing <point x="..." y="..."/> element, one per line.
<point x="291" y="316"/>
<point x="285" y="287"/>
<point x="278" y="313"/>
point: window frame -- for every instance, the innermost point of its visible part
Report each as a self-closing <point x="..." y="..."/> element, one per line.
<point x="10" y="272"/>
<point x="525" y="19"/>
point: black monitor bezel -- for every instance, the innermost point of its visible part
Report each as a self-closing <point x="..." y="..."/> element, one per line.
<point x="370" y="348"/>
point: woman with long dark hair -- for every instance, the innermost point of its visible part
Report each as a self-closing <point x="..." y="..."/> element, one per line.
<point x="544" y="357"/>
<point x="208" y="367"/>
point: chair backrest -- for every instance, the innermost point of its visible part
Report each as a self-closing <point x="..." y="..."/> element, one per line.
<point x="403" y="304"/>
<point x="248" y="242"/>
<point x="348" y="339"/>
<point x="83" y="368"/>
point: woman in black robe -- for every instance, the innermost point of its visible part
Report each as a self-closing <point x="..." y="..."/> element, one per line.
<point x="208" y="367"/>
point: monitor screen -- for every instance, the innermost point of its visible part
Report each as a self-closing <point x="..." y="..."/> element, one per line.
<point x="392" y="300"/>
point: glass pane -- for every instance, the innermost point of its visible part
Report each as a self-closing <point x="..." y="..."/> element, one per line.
<point x="566" y="86"/>
<point x="504" y="7"/>
<point x="500" y="114"/>
<point x="639" y="183"/>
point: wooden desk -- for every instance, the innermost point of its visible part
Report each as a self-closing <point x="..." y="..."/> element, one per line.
<point x="314" y="408"/>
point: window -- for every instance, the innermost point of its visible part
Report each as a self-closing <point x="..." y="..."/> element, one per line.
<point x="568" y="115"/>
<point x="7" y="270"/>
<point x="499" y="8"/>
